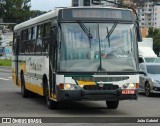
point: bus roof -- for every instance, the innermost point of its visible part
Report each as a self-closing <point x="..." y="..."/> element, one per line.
<point x="52" y="14"/>
<point x="38" y="19"/>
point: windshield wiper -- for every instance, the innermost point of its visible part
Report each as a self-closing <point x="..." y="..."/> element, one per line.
<point x="108" y="37"/>
<point x="109" y="33"/>
<point x="87" y="31"/>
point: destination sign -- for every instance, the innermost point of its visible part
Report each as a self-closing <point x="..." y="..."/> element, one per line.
<point x="95" y="13"/>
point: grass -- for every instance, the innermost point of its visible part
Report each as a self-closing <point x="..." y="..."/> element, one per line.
<point x="5" y="62"/>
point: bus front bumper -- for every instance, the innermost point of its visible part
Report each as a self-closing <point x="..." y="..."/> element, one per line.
<point x="96" y="95"/>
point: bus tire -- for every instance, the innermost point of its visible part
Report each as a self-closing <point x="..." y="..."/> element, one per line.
<point x="24" y="91"/>
<point x="112" y="104"/>
<point x="50" y="103"/>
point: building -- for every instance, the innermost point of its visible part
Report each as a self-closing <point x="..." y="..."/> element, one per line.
<point x="6" y="38"/>
<point x="127" y="2"/>
<point x="144" y="32"/>
<point x="92" y="3"/>
<point x="149" y="14"/>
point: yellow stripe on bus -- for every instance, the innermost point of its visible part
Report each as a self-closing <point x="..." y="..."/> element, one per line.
<point x="86" y="83"/>
<point x="34" y="88"/>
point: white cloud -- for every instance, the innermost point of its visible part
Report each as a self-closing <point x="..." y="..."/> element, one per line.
<point x="46" y="5"/>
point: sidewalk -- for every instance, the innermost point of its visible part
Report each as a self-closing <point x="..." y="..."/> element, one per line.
<point x="5" y="69"/>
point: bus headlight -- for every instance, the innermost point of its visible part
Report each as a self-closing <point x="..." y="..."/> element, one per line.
<point x="130" y="86"/>
<point x="68" y="86"/>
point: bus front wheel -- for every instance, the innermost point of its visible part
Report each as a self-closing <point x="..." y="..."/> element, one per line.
<point x="112" y="104"/>
<point x="50" y="103"/>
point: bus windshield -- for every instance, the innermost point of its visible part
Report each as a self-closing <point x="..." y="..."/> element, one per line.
<point x="93" y="47"/>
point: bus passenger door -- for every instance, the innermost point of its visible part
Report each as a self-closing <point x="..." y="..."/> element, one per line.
<point x="52" y="59"/>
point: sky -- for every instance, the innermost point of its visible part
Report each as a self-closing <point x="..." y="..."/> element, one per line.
<point x="46" y="5"/>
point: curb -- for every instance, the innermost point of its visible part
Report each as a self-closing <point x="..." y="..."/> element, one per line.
<point x="5" y="67"/>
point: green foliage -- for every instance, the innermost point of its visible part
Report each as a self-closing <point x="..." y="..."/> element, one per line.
<point x="35" y="13"/>
<point x="5" y="62"/>
<point x="16" y="11"/>
<point x="155" y="34"/>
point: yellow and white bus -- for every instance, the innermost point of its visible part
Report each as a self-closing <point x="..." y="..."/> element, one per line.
<point x="73" y="54"/>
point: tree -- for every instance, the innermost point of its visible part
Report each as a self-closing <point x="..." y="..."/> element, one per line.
<point x="35" y="13"/>
<point x="155" y="34"/>
<point x="16" y="11"/>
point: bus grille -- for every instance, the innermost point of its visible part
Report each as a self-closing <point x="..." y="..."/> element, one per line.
<point x="97" y="87"/>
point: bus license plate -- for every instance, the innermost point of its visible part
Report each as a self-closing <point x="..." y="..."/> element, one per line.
<point x="128" y="91"/>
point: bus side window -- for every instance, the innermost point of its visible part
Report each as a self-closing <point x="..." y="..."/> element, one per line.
<point x="23" y="40"/>
<point x="46" y="38"/>
<point x="39" y="39"/>
<point x="33" y="40"/>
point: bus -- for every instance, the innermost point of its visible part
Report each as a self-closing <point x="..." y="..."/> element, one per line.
<point x="77" y="54"/>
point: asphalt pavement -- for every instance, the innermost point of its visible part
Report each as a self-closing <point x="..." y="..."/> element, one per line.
<point x="13" y="105"/>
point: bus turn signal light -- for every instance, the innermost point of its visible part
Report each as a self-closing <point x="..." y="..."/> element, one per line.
<point x="61" y="86"/>
<point x="137" y="85"/>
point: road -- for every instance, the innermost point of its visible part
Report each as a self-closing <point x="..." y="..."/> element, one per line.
<point x="13" y="105"/>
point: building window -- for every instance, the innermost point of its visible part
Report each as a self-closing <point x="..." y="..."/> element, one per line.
<point x="86" y="3"/>
<point x="47" y="29"/>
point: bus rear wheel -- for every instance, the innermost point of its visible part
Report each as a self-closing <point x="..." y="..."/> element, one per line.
<point x="50" y="103"/>
<point x="24" y="91"/>
<point x="112" y="104"/>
